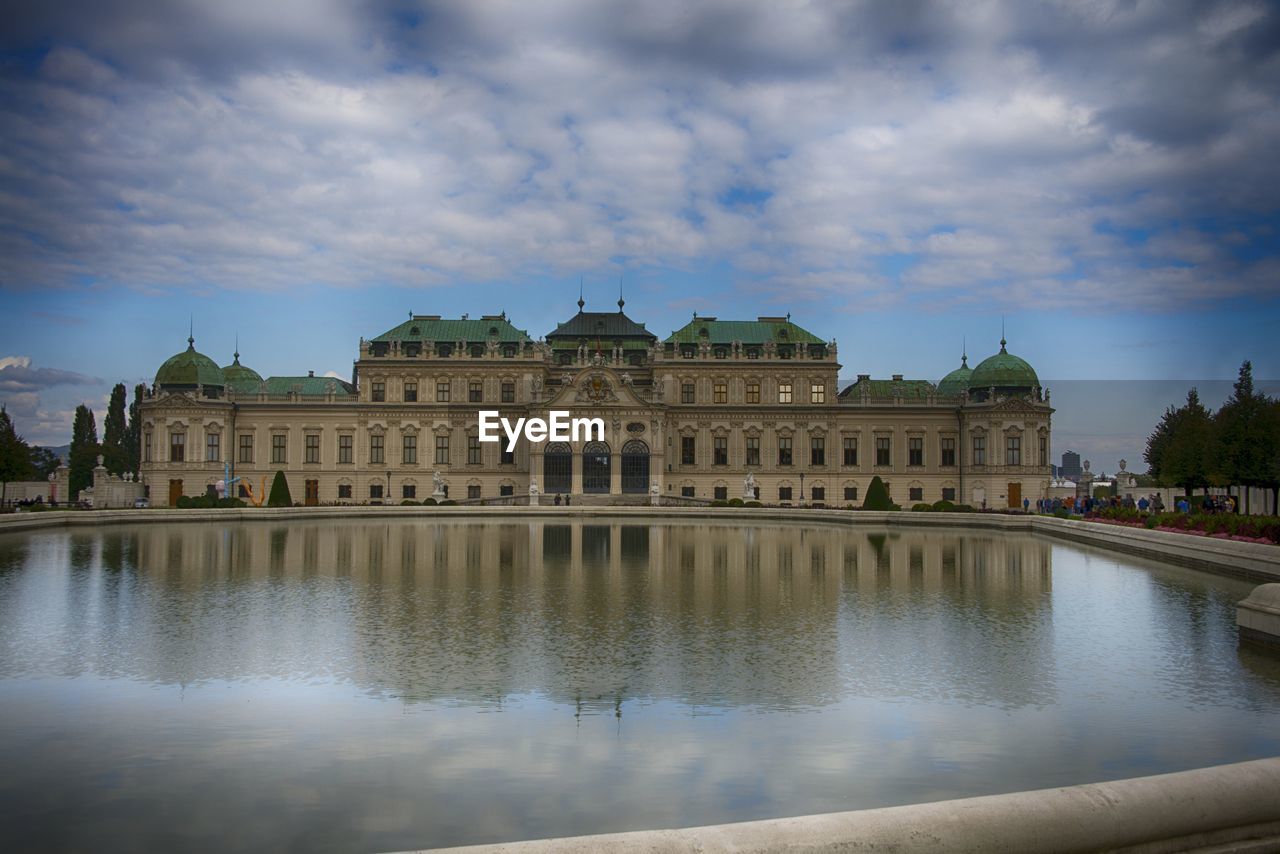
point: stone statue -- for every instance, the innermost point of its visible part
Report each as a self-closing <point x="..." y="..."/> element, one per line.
<point x="655" y="493"/>
<point x="749" y="487"/>
<point x="437" y="482"/>
<point x="533" y="492"/>
<point x="1122" y="465"/>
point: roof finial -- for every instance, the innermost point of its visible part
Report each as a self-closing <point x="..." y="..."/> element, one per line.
<point x="1002" y="341"/>
<point x="237" y="353"/>
<point x="191" y="334"/>
<point x="620" y="301"/>
<point x="581" y="301"/>
<point x="964" y="352"/>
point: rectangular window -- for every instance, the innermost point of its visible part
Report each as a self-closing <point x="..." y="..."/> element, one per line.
<point x="850" y="448"/>
<point x="408" y="490"/>
<point x="379" y="392"/>
<point x="1012" y="451"/>
<point x="915" y="493"/>
<point x="377" y="449"/>
<point x="819" y="493"/>
<point x="473" y="490"/>
<point x="475" y="391"/>
<point x="753" y="392"/>
<point x="410" y="392"/>
<point x="146" y="447"/>
<point x="851" y="493"/>
<point x="1044" y="451"/>
<point x="884" y="456"/>
<point x="410" y="450"/>
<point x="506" y="458"/>
<point x="473" y="450"/>
<point x="720" y="451"/>
<point x="687" y="450"/>
<point x="313" y="447"/>
<point x="915" y="451"/>
<point x="817" y="451"/>
<point x="177" y="447"/>
<point x="279" y="448"/>
<point x="947" y="449"/>
<point x="720" y="493"/>
<point x="212" y="447"/>
<point x="442" y="450"/>
<point x="686" y="392"/>
<point x="753" y="451"/>
<point x="721" y="392"/>
<point x="818" y="393"/>
<point x="508" y="392"/>
<point x="506" y="490"/>
<point x="345" y="444"/>
<point x="784" y="450"/>
<point x="344" y="490"/>
<point x="979" y="450"/>
<point x="784" y="493"/>
<point x="375" y="491"/>
<point x="246" y="448"/>
<point x="442" y="391"/>
<point x="686" y="491"/>
<point x="784" y="392"/>
<point x="948" y="493"/>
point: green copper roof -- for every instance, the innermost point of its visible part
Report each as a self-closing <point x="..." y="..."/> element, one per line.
<point x="958" y="380"/>
<point x="889" y="389"/>
<point x="778" y="329"/>
<point x="1003" y="370"/>
<point x="432" y="328"/>
<point x="189" y="368"/>
<point x="590" y="325"/>
<point x="241" y="378"/>
<point x="309" y="386"/>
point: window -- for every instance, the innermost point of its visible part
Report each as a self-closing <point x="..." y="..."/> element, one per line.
<point x="720" y="493"/>
<point x="753" y="451"/>
<point x="442" y="450"/>
<point x="850" y="447"/>
<point x="883" y="451"/>
<point x="410" y="450"/>
<point x="312" y="447"/>
<point x="379" y="392"/>
<point x="784" y="493"/>
<point x="687" y="450"/>
<point x="475" y="391"/>
<point x="784" y="392"/>
<point x="1013" y="451"/>
<point x="819" y="493"/>
<point x="818" y="393"/>
<point x="721" y="353"/>
<point x="915" y="451"/>
<point x="817" y="451"/>
<point x="344" y="490"/>
<point x="146" y="447"/>
<point x="473" y="490"/>
<point x="279" y="448"/>
<point x="686" y="392"/>
<point x="784" y="450"/>
<point x="915" y="493"/>
<point x="246" y="448"/>
<point x="508" y="392"/>
<point x="177" y="447"/>
<point x="1044" y="451"/>
<point x="408" y="490"/>
<point x="377" y="448"/>
<point x="948" y="493"/>
<point x="979" y="450"/>
<point x="753" y="353"/>
<point x="686" y="491"/>
<point x="753" y="392"/>
<point x="947" y="447"/>
<point x="506" y="490"/>
<point x="506" y="458"/>
<point x="851" y="493"/>
<point x="473" y="450"/>
<point x="720" y="451"/>
<point x="375" y="491"/>
<point x="410" y="392"/>
<point x="442" y="391"/>
<point x="212" y="447"/>
<point x="344" y="449"/>
<point x="721" y="392"/>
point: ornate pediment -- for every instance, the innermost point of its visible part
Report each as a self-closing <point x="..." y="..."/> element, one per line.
<point x="595" y="387"/>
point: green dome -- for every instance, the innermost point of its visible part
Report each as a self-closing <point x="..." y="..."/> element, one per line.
<point x="1004" y="371"/>
<point x="956" y="382"/>
<point x="240" y="377"/>
<point x="189" y="369"/>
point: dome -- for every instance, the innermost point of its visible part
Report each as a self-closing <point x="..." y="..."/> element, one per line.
<point x="1004" y="371"/>
<point x="189" y="369"/>
<point x="240" y="377"/>
<point x="956" y="382"/>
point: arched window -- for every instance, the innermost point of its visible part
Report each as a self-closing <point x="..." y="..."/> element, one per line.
<point x="557" y="468"/>
<point x="595" y="467"/>
<point x="635" y="467"/>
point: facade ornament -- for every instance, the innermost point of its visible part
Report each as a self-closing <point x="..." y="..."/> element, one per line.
<point x="655" y="493"/>
<point x="438" y="483"/>
<point x="749" y="487"/>
<point x="533" y="491"/>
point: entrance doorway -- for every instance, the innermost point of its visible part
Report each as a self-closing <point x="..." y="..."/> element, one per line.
<point x="557" y="468"/>
<point x="595" y="467"/>
<point x="312" y="493"/>
<point x="175" y="492"/>
<point x="1015" y="495"/>
<point x="635" y="467"/>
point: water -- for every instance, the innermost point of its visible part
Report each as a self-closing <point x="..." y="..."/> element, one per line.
<point x="353" y="686"/>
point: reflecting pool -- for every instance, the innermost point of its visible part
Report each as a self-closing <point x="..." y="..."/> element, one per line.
<point x="394" y="684"/>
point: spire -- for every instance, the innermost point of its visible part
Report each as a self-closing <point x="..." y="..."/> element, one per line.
<point x="236" y="361"/>
<point x="191" y="334"/>
<point x="581" y="301"/>
<point x="964" y="353"/>
<point x="620" y="300"/>
<point x="1002" y="341"/>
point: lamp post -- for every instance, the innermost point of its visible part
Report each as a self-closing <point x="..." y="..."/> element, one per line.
<point x="387" y="500"/>
<point x="801" y="489"/>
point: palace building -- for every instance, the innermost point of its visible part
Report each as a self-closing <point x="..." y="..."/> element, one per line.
<point x="693" y="414"/>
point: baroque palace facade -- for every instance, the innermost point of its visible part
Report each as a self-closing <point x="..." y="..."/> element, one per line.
<point x="695" y="414"/>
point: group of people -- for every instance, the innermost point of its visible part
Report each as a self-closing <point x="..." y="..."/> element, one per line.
<point x="568" y="499"/>
<point x="1145" y="504"/>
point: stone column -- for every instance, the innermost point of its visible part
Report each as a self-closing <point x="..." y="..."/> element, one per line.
<point x="575" y="485"/>
<point x="615" y="471"/>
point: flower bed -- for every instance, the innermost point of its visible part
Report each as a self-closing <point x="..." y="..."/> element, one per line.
<point x="1225" y="526"/>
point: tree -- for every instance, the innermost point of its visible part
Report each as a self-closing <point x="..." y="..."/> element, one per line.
<point x="1158" y="443"/>
<point x="1248" y="435"/>
<point x="279" y="496"/>
<point x="133" y="433"/>
<point x="1188" y="458"/>
<point x="877" y="496"/>
<point x="15" y="456"/>
<point x="113" y="432"/>
<point x="84" y="450"/>
<point x="44" y="462"/>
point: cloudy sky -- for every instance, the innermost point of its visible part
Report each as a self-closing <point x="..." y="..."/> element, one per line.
<point x="899" y="176"/>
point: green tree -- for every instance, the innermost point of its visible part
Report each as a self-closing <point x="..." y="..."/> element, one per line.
<point x="279" y="496"/>
<point x="1248" y="435"/>
<point x="15" y="456"/>
<point x="1158" y="442"/>
<point x="44" y="462"/>
<point x="877" y="496"/>
<point x="84" y="450"/>
<point x="113" y="432"/>
<point x="133" y="433"/>
<point x="1188" y="458"/>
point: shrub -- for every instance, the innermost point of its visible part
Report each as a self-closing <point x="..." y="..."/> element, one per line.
<point x="963" y="508"/>
<point x="753" y="504"/>
<point x="735" y="502"/>
<point x="922" y="508"/>
<point x="944" y="506"/>
<point x="428" y="502"/>
<point x="1062" y="513"/>
<point x="184" y="503"/>
<point x="877" y="496"/>
<point x="720" y="502"/>
<point x="409" y="502"/>
<point x="279" y="496"/>
<point x="448" y="502"/>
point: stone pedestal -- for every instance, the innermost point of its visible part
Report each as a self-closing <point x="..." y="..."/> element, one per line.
<point x="439" y="495"/>
<point x="655" y="495"/>
<point x="1258" y="616"/>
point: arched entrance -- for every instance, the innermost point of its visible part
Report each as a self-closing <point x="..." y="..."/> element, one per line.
<point x="635" y="467"/>
<point x="595" y="467"/>
<point x="557" y="468"/>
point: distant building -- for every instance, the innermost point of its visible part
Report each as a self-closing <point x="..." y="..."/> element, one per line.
<point x="1070" y="468"/>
